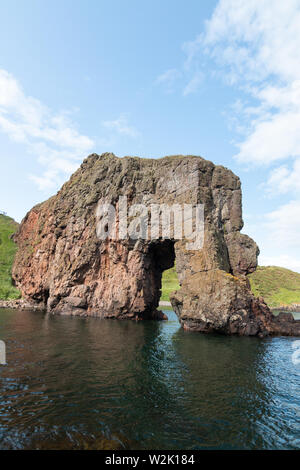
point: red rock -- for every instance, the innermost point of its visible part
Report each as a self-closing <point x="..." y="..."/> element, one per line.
<point x="63" y="266"/>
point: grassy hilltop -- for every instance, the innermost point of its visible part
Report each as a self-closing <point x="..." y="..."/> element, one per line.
<point x="278" y="286"/>
<point x="7" y="252"/>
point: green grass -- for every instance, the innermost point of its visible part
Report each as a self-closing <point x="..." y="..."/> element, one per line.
<point x="278" y="286"/>
<point x="7" y="252"/>
<point x="169" y="283"/>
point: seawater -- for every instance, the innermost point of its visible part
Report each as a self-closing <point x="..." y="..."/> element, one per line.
<point x="147" y="385"/>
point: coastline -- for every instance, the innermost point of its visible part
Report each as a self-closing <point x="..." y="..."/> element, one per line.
<point x="286" y="308"/>
<point x="25" y="305"/>
<point x="20" y="304"/>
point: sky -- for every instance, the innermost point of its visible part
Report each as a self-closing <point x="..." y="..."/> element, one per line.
<point x="219" y="79"/>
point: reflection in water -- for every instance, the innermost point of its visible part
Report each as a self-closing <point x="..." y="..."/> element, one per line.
<point x="90" y="383"/>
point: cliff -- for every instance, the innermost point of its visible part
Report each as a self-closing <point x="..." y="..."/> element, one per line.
<point x="8" y="227"/>
<point x="64" y="265"/>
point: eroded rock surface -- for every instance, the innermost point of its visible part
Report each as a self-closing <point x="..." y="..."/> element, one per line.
<point x="62" y="264"/>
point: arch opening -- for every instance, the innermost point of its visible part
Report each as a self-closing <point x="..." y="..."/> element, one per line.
<point x="162" y="254"/>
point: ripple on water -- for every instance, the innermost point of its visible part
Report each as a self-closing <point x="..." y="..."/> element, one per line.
<point x="90" y="383"/>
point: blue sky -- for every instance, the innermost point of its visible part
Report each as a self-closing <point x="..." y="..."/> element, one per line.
<point x="220" y="79"/>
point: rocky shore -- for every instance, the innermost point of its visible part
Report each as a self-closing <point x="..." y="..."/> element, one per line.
<point x="287" y="308"/>
<point x="20" y="304"/>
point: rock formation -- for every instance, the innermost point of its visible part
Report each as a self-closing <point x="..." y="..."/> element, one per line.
<point x="62" y="263"/>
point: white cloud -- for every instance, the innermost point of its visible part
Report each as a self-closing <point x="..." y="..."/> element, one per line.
<point x="257" y="37"/>
<point x="274" y="132"/>
<point x="194" y="84"/>
<point x="255" y="45"/>
<point x="192" y="50"/>
<point x="190" y="73"/>
<point x="284" y="225"/>
<point x="121" y="127"/>
<point x="284" y="261"/>
<point x="277" y="234"/>
<point x="193" y="78"/>
<point x="50" y="137"/>
<point x="168" y="79"/>
<point x="283" y="180"/>
<point x="282" y="242"/>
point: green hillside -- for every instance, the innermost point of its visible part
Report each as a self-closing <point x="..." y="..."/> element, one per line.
<point x="278" y="286"/>
<point x="7" y="252"/>
<point x="169" y="283"/>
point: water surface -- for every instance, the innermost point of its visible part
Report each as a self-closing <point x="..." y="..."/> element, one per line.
<point x="151" y="384"/>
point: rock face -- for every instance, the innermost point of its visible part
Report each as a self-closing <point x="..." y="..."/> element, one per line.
<point x="63" y="265"/>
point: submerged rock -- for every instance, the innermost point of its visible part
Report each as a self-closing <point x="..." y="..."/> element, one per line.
<point x="62" y="264"/>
